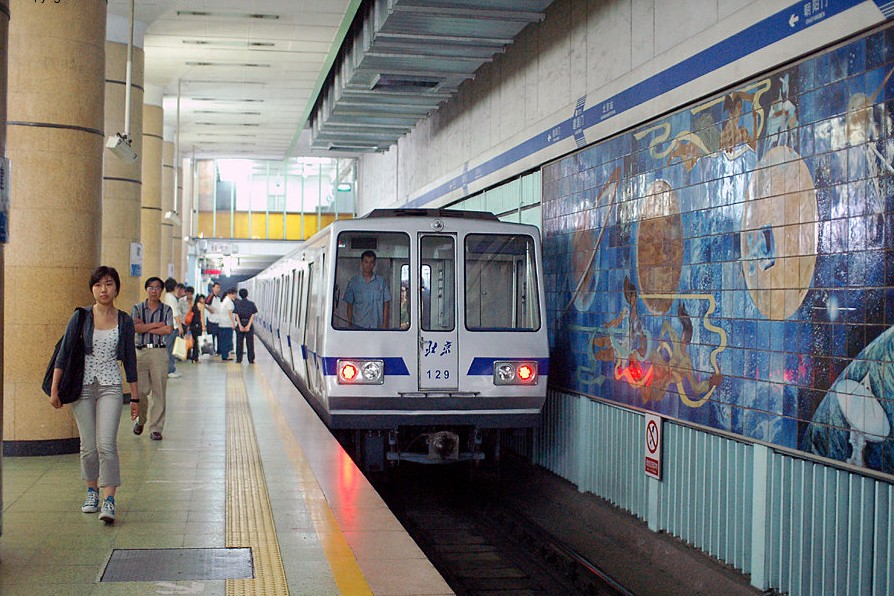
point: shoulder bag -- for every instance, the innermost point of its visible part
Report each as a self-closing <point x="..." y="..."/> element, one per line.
<point x="71" y="384"/>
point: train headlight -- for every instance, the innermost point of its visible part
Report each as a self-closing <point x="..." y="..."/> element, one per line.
<point x="515" y="373"/>
<point x="360" y="372"/>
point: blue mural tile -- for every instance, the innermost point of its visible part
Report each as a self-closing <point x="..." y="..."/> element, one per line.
<point x="839" y="341"/>
<point x="889" y="305"/>
<point x="879" y="49"/>
<point x="856" y="340"/>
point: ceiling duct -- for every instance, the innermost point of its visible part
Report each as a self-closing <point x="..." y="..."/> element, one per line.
<point x="403" y="58"/>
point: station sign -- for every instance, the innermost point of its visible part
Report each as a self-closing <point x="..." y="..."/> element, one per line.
<point x="653" y="446"/>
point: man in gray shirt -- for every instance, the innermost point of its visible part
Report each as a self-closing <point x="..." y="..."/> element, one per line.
<point x="367" y="296"/>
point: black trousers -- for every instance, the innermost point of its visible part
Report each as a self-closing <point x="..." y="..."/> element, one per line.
<point x="248" y="337"/>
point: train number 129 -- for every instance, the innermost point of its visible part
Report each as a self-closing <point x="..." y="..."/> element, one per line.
<point x="437" y="374"/>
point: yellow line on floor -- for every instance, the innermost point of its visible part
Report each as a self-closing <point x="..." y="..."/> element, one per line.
<point x="345" y="569"/>
<point x="249" y="514"/>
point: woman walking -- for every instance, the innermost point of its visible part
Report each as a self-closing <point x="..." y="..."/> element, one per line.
<point x="108" y="336"/>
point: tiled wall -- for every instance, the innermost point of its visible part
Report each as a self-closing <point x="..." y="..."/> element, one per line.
<point x="731" y="264"/>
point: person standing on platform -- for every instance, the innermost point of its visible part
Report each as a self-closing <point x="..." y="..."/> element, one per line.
<point x="154" y="322"/>
<point x="226" y="325"/>
<point x="367" y="296"/>
<point x="197" y="326"/>
<point x="171" y="301"/>
<point x="108" y="337"/>
<point x="212" y="312"/>
<point x="245" y="316"/>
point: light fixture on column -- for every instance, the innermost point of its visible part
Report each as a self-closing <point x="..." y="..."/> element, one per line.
<point x="120" y="143"/>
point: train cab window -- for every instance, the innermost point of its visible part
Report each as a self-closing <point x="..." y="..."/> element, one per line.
<point x="501" y="283"/>
<point x="366" y="292"/>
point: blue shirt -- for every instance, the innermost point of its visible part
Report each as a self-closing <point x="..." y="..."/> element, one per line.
<point x="368" y="298"/>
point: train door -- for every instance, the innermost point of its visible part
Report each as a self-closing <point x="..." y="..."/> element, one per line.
<point x="295" y="337"/>
<point x="438" y="352"/>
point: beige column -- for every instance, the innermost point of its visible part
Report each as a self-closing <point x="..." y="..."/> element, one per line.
<point x="121" y="205"/>
<point x="55" y="147"/>
<point x="150" y="224"/>
<point x="166" y="232"/>
<point x="4" y="45"/>
<point x="179" y="251"/>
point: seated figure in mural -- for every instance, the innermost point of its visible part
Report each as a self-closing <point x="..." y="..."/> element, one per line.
<point x="851" y="423"/>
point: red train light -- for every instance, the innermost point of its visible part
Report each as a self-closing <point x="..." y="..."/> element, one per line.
<point x="348" y="371"/>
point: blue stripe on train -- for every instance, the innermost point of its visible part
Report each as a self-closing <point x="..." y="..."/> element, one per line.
<point x="393" y="366"/>
<point x="485" y="366"/>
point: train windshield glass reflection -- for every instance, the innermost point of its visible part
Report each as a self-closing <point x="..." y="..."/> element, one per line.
<point x="501" y="283"/>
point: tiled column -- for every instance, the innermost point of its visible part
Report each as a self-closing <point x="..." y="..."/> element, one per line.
<point x="166" y="232"/>
<point x="121" y="180"/>
<point x="55" y="140"/>
<point x="179" y="230"/>
<point x="4" y="43"/>
<point x="150" y="224"/>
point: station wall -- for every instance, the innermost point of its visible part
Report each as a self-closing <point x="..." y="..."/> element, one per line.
<point x="730" y="264"/>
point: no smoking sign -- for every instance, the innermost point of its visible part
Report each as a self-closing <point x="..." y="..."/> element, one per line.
<point x="653" y="446"/>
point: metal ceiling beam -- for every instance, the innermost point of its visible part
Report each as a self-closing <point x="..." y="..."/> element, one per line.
<point x="404" y="58"/>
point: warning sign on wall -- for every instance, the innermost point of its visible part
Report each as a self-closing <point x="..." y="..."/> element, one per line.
<point x="653" y="446"/>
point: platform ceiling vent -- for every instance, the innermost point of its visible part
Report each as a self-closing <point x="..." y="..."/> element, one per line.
<point x="403" y="58"/>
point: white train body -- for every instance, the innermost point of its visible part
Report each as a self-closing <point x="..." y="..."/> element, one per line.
<point x="464" y="347"/>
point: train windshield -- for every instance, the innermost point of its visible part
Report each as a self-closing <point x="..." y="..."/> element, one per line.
<point x="367" y="293"/>
<point x="501" y="283"/>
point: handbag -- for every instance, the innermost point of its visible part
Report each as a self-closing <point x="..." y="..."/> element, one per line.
<point x="190" y="342"/>
<point x="206" y="344"/>
<point x="189" y="317"/>
<point x="179" y="349"/>
<point x="72" y="381"/>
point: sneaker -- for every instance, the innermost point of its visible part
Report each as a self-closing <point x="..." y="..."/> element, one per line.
<point x="174" y="375"/>
<point x="91" y="503"/>
<point x="137" y="428"/>
<point x="108" y="510"/>
<point x="155" y="436"/>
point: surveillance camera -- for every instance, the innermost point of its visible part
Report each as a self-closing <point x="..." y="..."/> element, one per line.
<point x="120" y="146"/>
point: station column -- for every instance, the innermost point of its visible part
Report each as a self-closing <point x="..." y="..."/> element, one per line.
<point x="122" y="179"/>
<point x="166" y="231"/>
<point x="153" y="141"/>
<point x="55" y="141"/>
<point x="4" y="44"/>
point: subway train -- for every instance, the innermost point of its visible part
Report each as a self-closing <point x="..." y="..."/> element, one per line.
<point x="416" y="334"/>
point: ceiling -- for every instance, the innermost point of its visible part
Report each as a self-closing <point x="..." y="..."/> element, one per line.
<point x="274" y="79"/>
<point x="246" y="73"/>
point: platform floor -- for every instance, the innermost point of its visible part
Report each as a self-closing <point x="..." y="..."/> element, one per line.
<point x="244" y="464"/>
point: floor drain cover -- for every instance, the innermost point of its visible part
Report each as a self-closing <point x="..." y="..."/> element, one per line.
<point x="178" y="564"/>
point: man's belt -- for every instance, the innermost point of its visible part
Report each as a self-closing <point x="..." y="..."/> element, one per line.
<point x="151" y="346"/>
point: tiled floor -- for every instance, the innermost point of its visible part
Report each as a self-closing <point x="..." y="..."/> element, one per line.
<point x="330" y="526"/>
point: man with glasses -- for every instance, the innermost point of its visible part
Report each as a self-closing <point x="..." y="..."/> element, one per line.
<point x="154" y="325"/>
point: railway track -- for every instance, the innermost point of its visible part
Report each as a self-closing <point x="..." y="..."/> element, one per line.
<point x="478" y="542"/>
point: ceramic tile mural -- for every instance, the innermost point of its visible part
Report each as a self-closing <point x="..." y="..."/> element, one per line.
<point x="731" y="264"/>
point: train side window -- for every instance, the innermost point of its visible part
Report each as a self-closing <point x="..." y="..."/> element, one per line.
<point x="367" y="296"/>
<point x="501" y="283"/>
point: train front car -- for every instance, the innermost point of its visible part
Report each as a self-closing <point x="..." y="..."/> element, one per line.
<point x="435" y="340"/>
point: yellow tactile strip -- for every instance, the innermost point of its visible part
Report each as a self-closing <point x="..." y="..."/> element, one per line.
<point x="345" y="570"/>
<point x="249" y="515"/>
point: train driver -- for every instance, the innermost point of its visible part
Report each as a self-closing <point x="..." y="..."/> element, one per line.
<point x="367" y="296"/>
